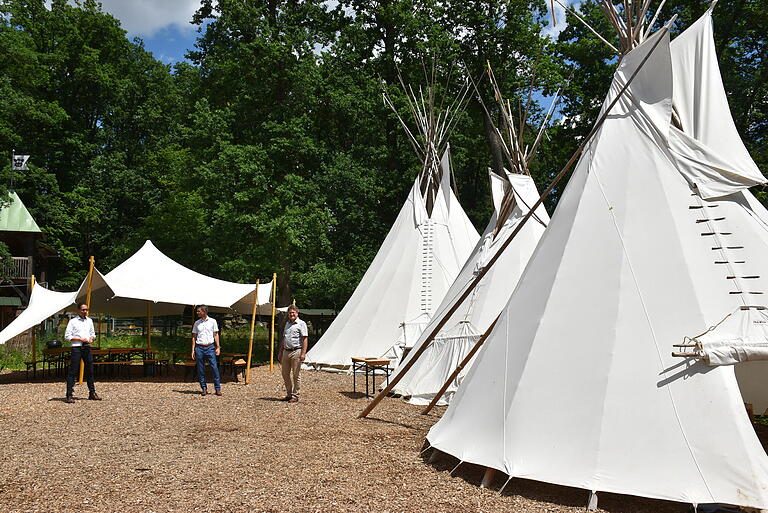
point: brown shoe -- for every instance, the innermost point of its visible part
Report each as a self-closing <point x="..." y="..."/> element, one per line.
<point x="293" y="400"/>
<point x="204" y="392"/>
<point x="217" y="392"/>
<point x="93" y="397"/>
<point x="69" y="400"/>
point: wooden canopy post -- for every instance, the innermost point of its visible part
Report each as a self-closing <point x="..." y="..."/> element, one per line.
<point x="88" y="303"/>
<point x="194" y="307"/>
<point x="520" y="225"/>
<point x="461" y="365"/>
<point x="253" y="326"/>
<point x="34" y="334"/>
<point x="272" y="335"/>
<point x="149" y="324"/>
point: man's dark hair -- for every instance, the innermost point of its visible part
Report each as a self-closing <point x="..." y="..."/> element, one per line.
<point x="80" y="305"/>
<point x="203" y="308"/>
<point x="294" y="308"/>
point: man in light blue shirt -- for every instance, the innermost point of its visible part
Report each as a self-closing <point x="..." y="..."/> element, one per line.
<point x="205" y="346"/>
<point x="293" y="351"/>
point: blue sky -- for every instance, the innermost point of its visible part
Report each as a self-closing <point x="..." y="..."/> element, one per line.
<point x="164" y="25"/>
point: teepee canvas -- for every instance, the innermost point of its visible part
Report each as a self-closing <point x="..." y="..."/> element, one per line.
<point x="512" y="195"/>
<point x="576" y="384"/>
<point x="414" y="267"/>
<point x="474" y="316"/>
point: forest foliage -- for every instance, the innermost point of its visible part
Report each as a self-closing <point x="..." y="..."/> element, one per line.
<point x="269" y="149"/>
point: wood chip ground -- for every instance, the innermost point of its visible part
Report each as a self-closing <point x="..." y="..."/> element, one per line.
<point x="155" y="444"/>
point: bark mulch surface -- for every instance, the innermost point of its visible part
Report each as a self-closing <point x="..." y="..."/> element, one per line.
<point x="155" y="444"/>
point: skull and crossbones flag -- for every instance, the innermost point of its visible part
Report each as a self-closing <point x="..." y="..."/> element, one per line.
<point x="19" y="163"/>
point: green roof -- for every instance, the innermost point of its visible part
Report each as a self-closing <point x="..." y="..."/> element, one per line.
<point x="16" y="218"/>
<point x="9" y="301"/>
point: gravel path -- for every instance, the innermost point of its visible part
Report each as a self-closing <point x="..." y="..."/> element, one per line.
<point x="156" y="445"/>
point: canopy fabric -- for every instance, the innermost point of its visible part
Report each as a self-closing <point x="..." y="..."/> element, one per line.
<point x="42" y="304"/>
<point x="149" y="275"/>
<point x="488" y="298"/>
<point x="627" y="267"/>
<point x="410" y="274"/>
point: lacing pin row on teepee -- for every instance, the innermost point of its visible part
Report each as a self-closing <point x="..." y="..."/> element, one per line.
<point x="732" y="275"/>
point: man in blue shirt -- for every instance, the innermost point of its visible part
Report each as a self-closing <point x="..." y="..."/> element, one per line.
<point x="205" y="346"/>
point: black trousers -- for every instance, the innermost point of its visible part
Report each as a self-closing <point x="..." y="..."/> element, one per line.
<point x="78" y="353"/>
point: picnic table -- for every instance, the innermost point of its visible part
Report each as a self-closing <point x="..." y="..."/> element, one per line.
<point x="113" y="360"/>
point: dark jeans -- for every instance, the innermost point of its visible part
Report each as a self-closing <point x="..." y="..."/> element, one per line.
<point x="203" y="353"/>
<point x="83" y="352"/>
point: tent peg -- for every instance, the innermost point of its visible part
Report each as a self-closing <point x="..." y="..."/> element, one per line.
<point x="504" y="485"/>
<point x="592" y="501"/>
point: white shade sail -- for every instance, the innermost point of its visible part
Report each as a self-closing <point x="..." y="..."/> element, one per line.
<point x="42" y="304"/>
<point x="149" y="275"/>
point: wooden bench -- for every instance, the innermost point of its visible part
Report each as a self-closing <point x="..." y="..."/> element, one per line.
<point x="370" y="366"/>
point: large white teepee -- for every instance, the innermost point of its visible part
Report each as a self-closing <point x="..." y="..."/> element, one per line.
<point x="576" y="384"/>
<point x="473" y="317"/>
<point x="413" y="269"/>
<point x="512" y="196"/>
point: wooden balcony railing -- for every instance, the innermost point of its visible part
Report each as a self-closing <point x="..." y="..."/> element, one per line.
<point x="18" y="268"/>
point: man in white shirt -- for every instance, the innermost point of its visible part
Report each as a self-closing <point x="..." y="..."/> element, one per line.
<point x="293" y="351"/>
<point x="205" y="346"/>
<point x="80" y="334"/>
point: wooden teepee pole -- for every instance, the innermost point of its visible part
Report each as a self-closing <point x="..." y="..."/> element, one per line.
<point x="509" y="240"/>
<point x="253" y="327"/>
<point x="149" y="325"/>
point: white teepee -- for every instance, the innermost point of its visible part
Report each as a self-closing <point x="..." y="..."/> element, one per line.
<point x="576" y="384"/>
<point x="490" y="295"/>
<point x="417" y="263"/>
<point x="512" y="196"/>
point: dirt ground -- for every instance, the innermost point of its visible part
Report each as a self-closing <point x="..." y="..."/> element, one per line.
<point x="157" y="445"/>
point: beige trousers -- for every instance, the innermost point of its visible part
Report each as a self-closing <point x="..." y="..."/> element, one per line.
<point x="291" y="363"/>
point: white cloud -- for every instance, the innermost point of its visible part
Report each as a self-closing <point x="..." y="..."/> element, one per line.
<point x="145" y="17"/>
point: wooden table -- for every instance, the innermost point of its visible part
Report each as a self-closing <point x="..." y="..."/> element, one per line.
<point x="369" y="366"/>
